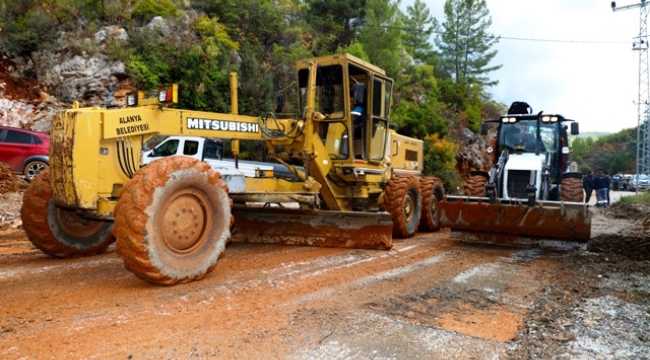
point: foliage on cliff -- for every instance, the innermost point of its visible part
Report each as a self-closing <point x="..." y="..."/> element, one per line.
<point x="441" y="76"/>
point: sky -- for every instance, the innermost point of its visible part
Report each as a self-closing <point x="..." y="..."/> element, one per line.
<point x="568" y="57"/>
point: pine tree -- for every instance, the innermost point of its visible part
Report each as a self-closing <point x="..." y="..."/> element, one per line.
<point x="419" y="26"/>
<point x="335" y="22"/>
<point x="381" y="36"/>
<point x="465" y="44"/>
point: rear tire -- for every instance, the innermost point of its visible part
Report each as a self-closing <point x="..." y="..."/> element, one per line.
<point x="571" y="189"/>
<point x="59" y="232"/>
<point x="432" y="193"/>
<point x="402" y="201"/>
<point x="172" y="222"/>
<point x="475" y="185"/>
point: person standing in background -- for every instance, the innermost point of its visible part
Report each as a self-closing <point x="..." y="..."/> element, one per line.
<point x="601" y="185"/>
<point x="588" y="185"/>
<point x="609" y="183"/>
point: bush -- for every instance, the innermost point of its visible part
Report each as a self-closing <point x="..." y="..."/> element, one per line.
<point x="148" y="9"/>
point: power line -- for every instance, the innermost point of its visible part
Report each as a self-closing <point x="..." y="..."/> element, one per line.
<point x="566" y="41"/>
<point x="507" y="37"/>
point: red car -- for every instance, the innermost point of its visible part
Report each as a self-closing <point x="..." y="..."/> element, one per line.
<point x="25" y="152"/>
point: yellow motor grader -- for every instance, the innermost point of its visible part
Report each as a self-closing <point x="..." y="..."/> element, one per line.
<point x="357" y="183"/>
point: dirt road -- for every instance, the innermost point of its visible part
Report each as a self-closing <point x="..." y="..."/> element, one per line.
<point x="429" y="297"/>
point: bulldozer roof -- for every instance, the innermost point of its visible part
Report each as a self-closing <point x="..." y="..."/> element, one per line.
<point x="339" y="59"/>
<point x="540" y="116"/>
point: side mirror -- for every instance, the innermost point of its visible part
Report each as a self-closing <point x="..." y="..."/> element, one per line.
<point x="484" y="128"/>
<point x="280" y="103"/>
<point x="575" y="129"/>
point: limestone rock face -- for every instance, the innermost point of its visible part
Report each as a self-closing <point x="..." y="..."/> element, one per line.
<point x="79" y="78"/>
<point x="33" y="89"/>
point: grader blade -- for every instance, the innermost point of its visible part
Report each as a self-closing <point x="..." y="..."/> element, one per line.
<point x="515" y="219"/>
<point x="312" y="227"/>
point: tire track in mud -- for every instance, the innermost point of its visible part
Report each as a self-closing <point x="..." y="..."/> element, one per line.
<point x="280" y="300"/>
<point x="472" y="312"/>
<point x="478" y="291"/>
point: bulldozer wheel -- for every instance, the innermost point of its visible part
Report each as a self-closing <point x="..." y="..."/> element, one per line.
<point x="571" y="189"/>
<point x="432" y="193"/>
<point x="475" y="185"/>
<point x="172" y="222"/>
<point x="59" y="232"/>
<point x="402" y="201"/>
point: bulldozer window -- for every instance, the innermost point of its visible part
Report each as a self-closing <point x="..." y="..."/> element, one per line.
<point x="381" y="92"/>
<point x="330" y="96"/>
<point x="335" y="138"/>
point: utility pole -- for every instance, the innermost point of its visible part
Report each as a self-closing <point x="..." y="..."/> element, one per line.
<point x="642" y="131"/>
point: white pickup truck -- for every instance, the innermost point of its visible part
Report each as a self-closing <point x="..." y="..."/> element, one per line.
<point x="211" y="151"/>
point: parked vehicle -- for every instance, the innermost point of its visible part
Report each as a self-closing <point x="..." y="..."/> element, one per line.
<point x="26" y="152"/>
<point x="619" y="182"/>
<point x="211" y="151"/>
<point x="640" y="182"/>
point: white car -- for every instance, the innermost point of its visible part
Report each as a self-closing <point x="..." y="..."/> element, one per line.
<point x="642" y="183"/>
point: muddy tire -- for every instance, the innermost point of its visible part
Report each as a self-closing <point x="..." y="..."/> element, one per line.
<point x="571" y="189"/>
<point x="432" y="193"/>
<point x="172" y="222"/>
<point x="58" y="232"/>
<point x="475" y="185"/>
<point x="402" y="201"/>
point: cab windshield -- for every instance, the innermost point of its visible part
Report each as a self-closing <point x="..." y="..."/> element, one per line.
<point x="522" y="137"/>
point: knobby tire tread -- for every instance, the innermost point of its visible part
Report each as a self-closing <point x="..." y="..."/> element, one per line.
<point x="394" y="197"/>
<point x="475" y="185"/>
<point x="572" y="189"/>
<point x="431" y="189"/>
<point x="131" y="218"/>
<point x="34" y="214"/>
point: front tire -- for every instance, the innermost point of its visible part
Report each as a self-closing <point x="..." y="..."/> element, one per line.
<point x="402" y="201"/>
<point x="571" y="189"/>
<point x="59" y="232"/>
<point x="475" y="185"/>
<point x="432" y="193"/>
<point x="172" y="222"/>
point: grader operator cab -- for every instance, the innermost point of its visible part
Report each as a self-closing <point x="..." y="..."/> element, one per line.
<point x="359" y="182"/>
<point x="530" y="192"/>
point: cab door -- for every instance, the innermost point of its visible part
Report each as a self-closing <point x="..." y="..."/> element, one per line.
<point x="379" y="116"/>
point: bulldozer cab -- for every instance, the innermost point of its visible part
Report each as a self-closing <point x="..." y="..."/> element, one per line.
<point x="522" y="136"/>
<point x="354" y="97"/>
<point x="539" y="134"/>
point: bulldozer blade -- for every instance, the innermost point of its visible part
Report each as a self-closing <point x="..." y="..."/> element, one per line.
<point x="312" y="227"/>
<point x="515" y="219"/>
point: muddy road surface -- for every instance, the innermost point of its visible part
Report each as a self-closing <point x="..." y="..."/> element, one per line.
<point x="428" y="297"/>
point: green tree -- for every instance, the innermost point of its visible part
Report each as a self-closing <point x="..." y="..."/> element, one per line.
<point x="418" y="112"/>
<point x="335" y="23"/>
<point x="615" y="153"/>
<point x="254" y="21"/>
<point x="27" y="26"/>
<point x="195" y="55"/>
<point x="381" y="37"/>
<point x="464" y="42"/>
<point x="419" y="26"/>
